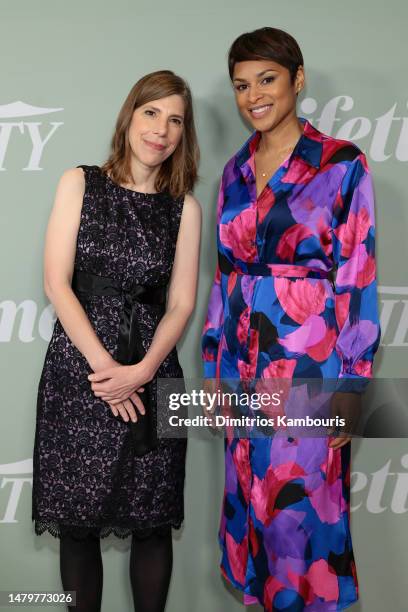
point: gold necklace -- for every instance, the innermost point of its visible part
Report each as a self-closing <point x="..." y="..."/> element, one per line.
<point x="283" y="154"/>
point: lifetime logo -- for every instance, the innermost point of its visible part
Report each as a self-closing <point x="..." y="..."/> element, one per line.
<point x="13" y="122"/>
<point x="385" y="136"/>
<point x="27" y="323"/>
<point x="376" y="492"/>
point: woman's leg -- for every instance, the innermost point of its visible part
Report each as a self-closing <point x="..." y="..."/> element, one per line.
<point x="82" y="571"/>
<point x="151" y="563"/>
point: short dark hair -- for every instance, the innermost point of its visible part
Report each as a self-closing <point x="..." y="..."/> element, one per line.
<point x="266" y="44"/>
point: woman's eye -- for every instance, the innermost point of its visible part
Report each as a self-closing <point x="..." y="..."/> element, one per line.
<point x="176" y="121"/>
<point x="241" y="87"/>
<point x="149" y="112"/>
<point x="268" y="79"/>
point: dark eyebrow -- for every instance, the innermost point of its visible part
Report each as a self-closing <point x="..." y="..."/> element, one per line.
<point x="260" y="74"/>
<point x="159" y="111"/>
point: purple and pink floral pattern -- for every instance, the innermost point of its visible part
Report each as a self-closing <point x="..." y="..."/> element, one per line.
<point x="295" y="296"/>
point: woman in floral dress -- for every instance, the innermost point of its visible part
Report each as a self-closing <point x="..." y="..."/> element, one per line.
<point x="294" y="206"/>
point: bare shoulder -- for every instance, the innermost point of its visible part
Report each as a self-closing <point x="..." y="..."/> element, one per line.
<point x="190" y="222"/>
<point x="192" y="206"/>
<point x="72" y="181"/>
<point x="70" y="193"/>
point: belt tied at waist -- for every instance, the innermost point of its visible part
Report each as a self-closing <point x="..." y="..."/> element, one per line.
<point x="130" y="347"/>
<point x="262" y="269"/>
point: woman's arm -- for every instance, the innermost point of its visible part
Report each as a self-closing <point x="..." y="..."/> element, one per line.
<point x="356" y="285"/>
<point x="211" y="332"/>
<point x="119" y="383"/>
<point x="59" y="256"/>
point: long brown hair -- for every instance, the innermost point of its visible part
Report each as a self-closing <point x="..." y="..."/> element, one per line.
<point x="179" y="172"/>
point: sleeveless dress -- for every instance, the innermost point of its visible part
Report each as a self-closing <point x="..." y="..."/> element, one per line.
<point x="86" y="478"/>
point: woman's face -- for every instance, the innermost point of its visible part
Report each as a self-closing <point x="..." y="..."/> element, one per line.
<point x="156" y="129"/>
<point x="264" y="92"/>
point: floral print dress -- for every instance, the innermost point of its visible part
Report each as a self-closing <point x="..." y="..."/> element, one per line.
<point x="276" y="309"/>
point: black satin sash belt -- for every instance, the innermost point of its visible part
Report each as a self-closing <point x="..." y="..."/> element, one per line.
<point x="130" y="347"/>
<point x="263" y="269"/>
<point x="143" y="434"/>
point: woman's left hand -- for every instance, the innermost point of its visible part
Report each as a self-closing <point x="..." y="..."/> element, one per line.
<point x="117" y="384"/>
<point x="346" y="406"/>
<point x="340" y="441"/>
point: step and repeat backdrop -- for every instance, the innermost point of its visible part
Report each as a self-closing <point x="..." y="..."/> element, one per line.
<point x="66" y="69"/>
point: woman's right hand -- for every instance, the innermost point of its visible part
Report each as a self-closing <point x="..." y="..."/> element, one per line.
<point x="126" y="408"/>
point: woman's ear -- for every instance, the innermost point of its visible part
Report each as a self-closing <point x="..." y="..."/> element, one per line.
<point x="299" y="79"/>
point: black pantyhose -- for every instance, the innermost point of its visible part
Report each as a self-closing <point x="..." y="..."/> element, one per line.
<point x="150" y="567"/>
<point x="82" y="571"/>
<point x="151" y="562"/>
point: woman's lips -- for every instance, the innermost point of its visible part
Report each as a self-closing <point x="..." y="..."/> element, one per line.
<point x="155" y="145"/>
<point x="260" y="111"/>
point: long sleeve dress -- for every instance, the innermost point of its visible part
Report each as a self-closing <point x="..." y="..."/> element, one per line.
<point x="275" y="311"/>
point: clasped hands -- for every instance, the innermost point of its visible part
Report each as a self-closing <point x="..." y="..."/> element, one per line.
<point x="118" y="385"/>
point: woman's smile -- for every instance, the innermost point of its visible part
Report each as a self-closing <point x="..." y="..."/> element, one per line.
<point x="157" y="146"/>
<point x="257" y="112"/>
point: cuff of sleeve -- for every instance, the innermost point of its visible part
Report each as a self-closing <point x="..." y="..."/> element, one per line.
<point x="209" y="369"/>
<point x="350" y="383"/>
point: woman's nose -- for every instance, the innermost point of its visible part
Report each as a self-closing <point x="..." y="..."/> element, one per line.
<point x="254" y="94"/>
<point x="161" y="127"/>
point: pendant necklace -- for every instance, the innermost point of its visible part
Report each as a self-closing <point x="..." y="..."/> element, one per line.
<point x="282" y="156"/>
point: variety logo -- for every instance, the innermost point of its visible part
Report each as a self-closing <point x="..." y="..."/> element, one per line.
<point x="26" y="323"/>
<point x="378" y="492"/>
<point x="13" y="478"/>
<point x="377" y="131"/>
<point x="15" y="123"/>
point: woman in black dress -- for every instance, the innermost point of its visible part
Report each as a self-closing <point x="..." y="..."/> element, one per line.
<point x="120" y="267"/>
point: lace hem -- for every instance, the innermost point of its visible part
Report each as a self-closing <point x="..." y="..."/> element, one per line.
<point x="80" y="532"/>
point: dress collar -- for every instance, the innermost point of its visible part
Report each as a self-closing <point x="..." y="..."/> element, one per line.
<point x="309" y="146"/>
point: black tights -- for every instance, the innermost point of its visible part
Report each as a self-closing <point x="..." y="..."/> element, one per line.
<point x="151" y="562"/>
<point x="82" y="571"/>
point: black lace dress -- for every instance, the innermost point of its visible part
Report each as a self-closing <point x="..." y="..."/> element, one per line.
<point x="86" y="478"/>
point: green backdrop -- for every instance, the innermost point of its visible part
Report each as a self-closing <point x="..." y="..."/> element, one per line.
<point x="70" y="66"/>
